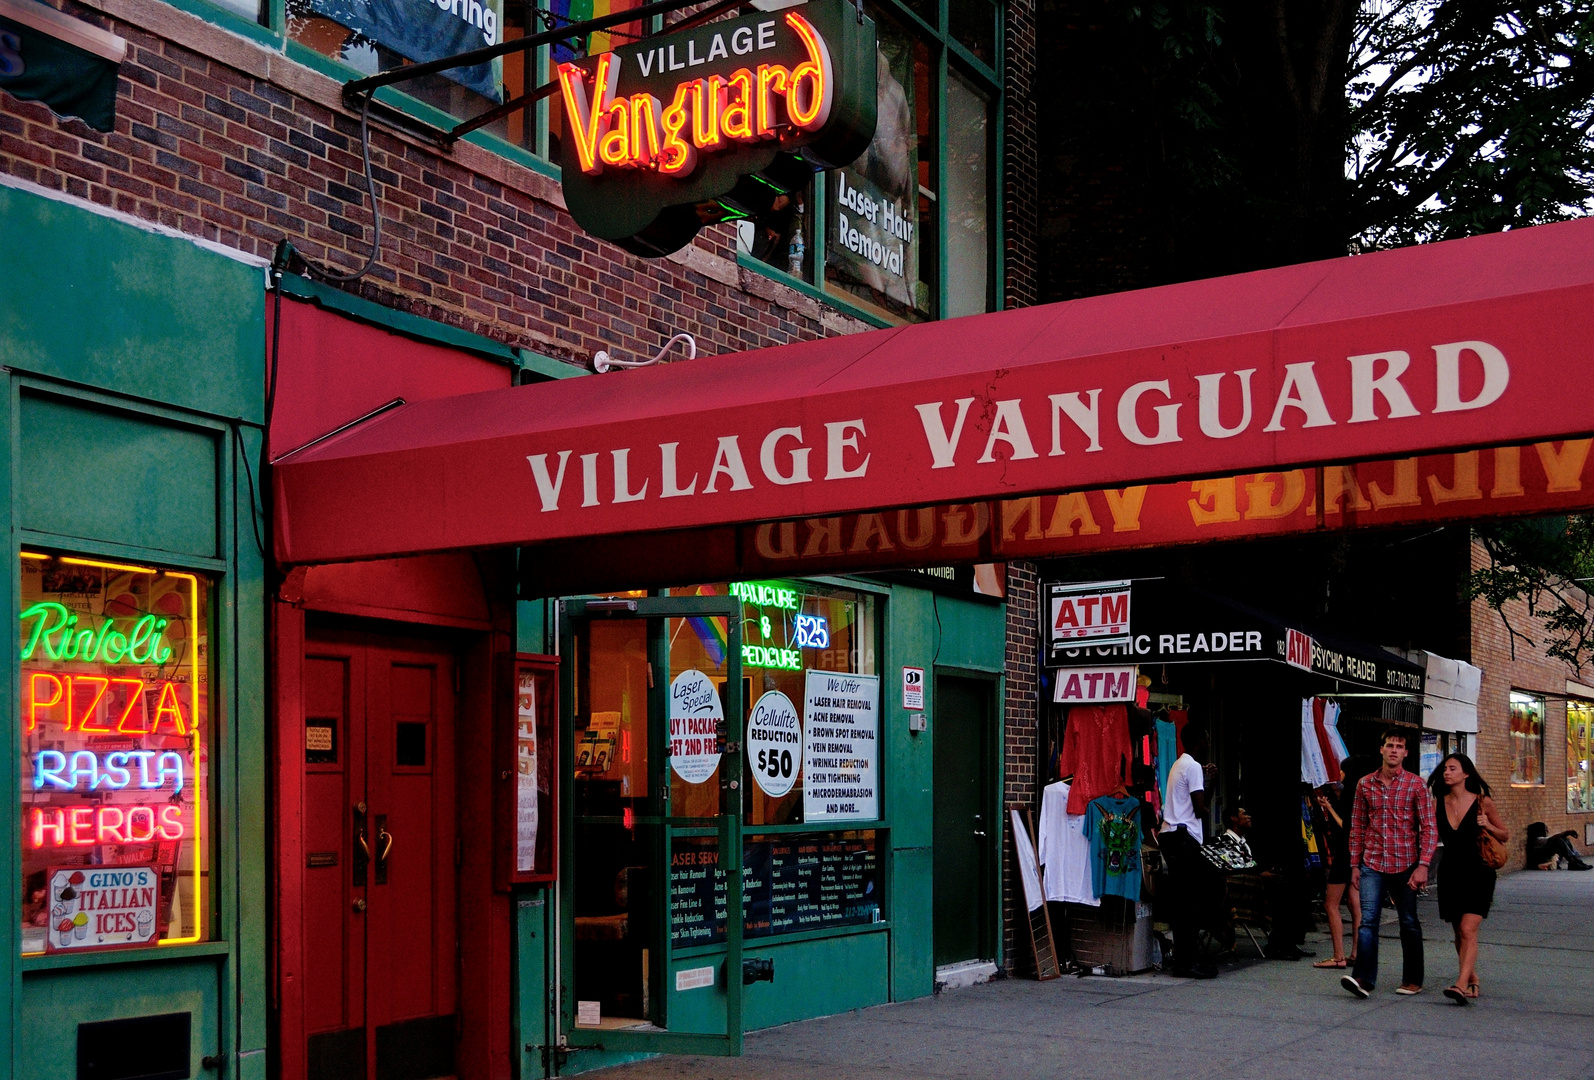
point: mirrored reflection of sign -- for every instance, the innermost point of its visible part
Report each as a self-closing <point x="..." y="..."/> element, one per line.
<point x="774" y="743"/>
<point x="114" y="728"/>
<point x="841" y="747"/>
<point x="101" y="907"/>
<point x="696" y="725"/>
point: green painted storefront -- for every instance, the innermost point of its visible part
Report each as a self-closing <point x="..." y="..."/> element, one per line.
<point x="133" y="363"/>
<point x="821" y="972"/>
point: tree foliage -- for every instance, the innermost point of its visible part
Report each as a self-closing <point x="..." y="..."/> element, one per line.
<point x="1546" y="565"/>
<point x="1469" y="116"/>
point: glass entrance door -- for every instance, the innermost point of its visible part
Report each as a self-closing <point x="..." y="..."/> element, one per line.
<point x="654" y="705"/>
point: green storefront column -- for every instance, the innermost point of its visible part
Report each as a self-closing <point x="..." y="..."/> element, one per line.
<point x="134" y="363"/>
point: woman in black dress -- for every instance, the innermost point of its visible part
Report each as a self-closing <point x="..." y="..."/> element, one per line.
<point x="1466" y="882"/>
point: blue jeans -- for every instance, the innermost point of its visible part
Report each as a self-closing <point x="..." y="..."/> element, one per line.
<point x="1374" y="887"/>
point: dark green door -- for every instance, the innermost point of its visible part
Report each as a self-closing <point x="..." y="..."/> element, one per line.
<point x="964" y="828"/>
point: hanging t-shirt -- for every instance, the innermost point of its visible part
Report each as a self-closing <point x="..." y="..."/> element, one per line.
<point x="1167" y="754"/>
<point x="1325" y="715"/>
<point x="1096" y="752"/>
<point x="1313" y="772"/>
<point x="1113" y="828"/>
<point x="1184" y="779"/>
<point x="1064" y="851"/>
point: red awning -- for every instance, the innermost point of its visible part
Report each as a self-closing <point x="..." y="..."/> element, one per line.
<point x="1446" y="346"/>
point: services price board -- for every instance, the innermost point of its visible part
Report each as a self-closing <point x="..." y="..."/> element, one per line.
<point x="841" y="747"/>
<point x="788" y="884"/>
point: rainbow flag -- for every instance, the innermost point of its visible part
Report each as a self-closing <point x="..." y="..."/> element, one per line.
<point x="711" y="634"/>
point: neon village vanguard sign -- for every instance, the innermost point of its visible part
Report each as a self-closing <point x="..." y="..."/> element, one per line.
<point x="713" y="124"/>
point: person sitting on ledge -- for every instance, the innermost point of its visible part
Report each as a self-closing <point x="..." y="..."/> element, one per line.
<point x="1544" y="850"/>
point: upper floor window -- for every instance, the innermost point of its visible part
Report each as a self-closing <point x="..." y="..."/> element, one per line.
<point x="907" y="232"/>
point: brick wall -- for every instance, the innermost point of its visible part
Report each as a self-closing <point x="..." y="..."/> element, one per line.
<point x="1021" y="178"/>
<point x="1020" y="771"/>
<point x="219" y="137"/>
<point x="1530" y="671"/>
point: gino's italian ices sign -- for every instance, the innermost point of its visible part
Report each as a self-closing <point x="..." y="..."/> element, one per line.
<point x="712" y="124"/>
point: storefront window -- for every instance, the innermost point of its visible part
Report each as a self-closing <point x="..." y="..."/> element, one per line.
<point x="877" y="249"/>
<point x="1579" y="756"/>
<point x="967" y="194"/>
<point x="115" y="722"/>
<point x="1527" y="739"/>
<point x="795" y="636"/>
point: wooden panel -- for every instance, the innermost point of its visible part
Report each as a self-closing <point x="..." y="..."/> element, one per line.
<point x="331" y="942"/>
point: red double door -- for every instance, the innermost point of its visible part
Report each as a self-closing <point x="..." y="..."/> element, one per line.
<point x="380" y="879"/>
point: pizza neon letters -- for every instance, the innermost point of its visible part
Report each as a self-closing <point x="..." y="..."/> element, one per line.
<point x="751" y="104"/>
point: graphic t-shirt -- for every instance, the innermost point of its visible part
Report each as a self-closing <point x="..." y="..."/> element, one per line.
<point x="1113" y="828"/>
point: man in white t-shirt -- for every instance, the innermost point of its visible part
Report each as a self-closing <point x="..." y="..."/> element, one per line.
<point x="1184" y="810"/>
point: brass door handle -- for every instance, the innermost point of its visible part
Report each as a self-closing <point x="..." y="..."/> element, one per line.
<point x="365" y="849"/>
<point x="385" y="839"/>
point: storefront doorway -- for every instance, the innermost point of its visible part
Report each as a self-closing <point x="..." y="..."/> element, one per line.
<point x="967" y="832"/>
<point x="654" y="706"/>
<point x="380" y="883"/>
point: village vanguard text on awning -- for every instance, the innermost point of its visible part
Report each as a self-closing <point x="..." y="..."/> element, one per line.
<point x="1474" y="342"/>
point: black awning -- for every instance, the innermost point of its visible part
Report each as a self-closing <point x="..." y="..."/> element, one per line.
<point x="1175" y="624"/>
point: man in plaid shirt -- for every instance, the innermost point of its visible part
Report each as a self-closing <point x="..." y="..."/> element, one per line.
<point x="1392" y="841"/>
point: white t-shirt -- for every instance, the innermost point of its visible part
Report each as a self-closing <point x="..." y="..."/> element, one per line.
<point x="1064" y="851"/>
<point x="1185" y="778"/>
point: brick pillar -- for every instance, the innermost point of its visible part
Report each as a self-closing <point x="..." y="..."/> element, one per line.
<point x="1020" y="771"/>
<point x="1021" y="175"/>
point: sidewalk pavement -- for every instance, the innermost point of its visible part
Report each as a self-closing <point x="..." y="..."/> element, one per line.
<point x="1258" y="1019"/>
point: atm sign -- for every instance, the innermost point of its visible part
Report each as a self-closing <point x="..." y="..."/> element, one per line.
<point x="1096" y="613"/>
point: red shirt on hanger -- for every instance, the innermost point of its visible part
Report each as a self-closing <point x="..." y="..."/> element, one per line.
<point x="1096" y="752"/>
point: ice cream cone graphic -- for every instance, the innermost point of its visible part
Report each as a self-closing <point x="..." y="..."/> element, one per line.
<point x="65" y="928"/>
<point x="81" y="922"/>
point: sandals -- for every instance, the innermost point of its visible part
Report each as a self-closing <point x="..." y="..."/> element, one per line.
<point x="1460" y="996"/>
<point x="1329" y="963"/>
